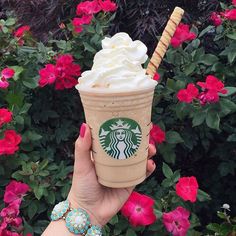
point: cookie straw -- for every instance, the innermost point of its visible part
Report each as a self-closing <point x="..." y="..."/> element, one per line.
<point x="164" y="42"/>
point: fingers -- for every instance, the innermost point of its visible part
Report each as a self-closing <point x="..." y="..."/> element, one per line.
<point x="83" y="144"/>
<point x="151" y="166"/>
<point x="151" y="151"/>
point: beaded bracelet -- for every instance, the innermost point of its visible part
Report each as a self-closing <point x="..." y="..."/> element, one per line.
<point x="77" y="220"/>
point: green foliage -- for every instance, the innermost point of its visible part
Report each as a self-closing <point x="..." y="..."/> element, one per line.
<point x="47" y="120"/>
<point x="200" y="140"/>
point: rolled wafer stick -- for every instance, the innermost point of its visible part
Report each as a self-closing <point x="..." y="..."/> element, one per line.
<point x="164" y="41"/>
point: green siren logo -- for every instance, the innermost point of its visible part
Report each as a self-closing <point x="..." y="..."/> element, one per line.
<point x="120" y="137"/>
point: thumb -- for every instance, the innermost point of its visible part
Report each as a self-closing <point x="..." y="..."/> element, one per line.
<point x="83" y="162"/>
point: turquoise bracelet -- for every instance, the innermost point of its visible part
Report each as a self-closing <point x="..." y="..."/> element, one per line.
<point x="77" y="220"/>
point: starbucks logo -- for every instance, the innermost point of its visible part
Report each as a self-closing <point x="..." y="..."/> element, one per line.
<point x="120" y="137"/>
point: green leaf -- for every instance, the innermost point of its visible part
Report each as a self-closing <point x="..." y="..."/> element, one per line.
<point x="25" y="108"/>
<point x="27" y="228"/>
<point x="43" y="164"/>
<point x="18" y="70"/>
<point x="231" y="138"/>
<point x="189" y="69"/>
<point x="98" y="28"/>
<point x="231" y="91"/>
<point x="51" y="198"/>
<point x="114" y="220"/>
<point x="4" y="29"/>
<point x="89" y="48"/>
<point x="130" y="232"/>
<point x="38" y="192"/>
<point x="198" y="53"/>
<point x="19" y="120"/>
<point x="65" y="190"/>
<point x="32" y="136"/>
<point x="167" y="183"/>
<point x="227" y="106"/>
<point x="44" y="173"/>
<point x="158" y="213"/>
<point x="221" y="215"/>
<point x="206" y="30"/>
<point x="32" y="210"/>
<point x="2" y="171"/>
<point x="213" y="120"/>
<point x="15" y="99"/>
<point x="168" y="173"/>
<point x="30" y="82"/>
<point x="232" y="36"/>
<point x="223" y="6"/>
<point x="208" y="59"/>
<point x="214" y="227"/>
<point x="168" y="152"/>
<point x="203" y="196"/>
<point x="173" y="137"/>
<point x="175" y="177"/>
<point x="170" y="84"/>
<point x="227" y="167"/>
<point x="10" y="21"/>
<point x="195" y="43"/>
<point x="231" y="56"/>
<point x="61" y="44"/>
<point x="198" y="118"/>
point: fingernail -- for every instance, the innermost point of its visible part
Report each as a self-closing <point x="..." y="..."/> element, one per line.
<point x="82" y="130"/>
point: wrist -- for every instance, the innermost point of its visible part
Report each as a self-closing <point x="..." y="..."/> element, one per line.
<point x="95" y="217"/>
<point x="77" y="219"/>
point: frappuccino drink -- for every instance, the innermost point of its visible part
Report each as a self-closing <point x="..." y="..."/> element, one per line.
<point x="117" y="98"/>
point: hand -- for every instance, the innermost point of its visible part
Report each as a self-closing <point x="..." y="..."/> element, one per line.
<point x="102" y="203"/>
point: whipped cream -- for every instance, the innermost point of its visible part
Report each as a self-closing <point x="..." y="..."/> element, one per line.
<point x="118" y="65"/>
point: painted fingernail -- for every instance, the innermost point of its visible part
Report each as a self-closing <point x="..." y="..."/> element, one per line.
<point x="82" y="130"/>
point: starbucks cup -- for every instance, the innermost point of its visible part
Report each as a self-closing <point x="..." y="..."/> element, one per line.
<point x="120" y="125"/>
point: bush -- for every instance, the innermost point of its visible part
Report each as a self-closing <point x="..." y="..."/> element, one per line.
<point x="43" y="117"/>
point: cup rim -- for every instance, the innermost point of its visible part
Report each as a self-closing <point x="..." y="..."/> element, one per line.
<point x="107" y="92"/>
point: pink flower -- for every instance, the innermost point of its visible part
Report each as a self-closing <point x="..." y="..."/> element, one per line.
<point x="213" y="83"/>
<point x="187" y="95"/>
<point x="5" y="116"/>
<point x="229" y="14"/>
<point x="187" y="188"/>
<point x="211" y="89"/>
<point x="176" y="221"/>
<point x="156" y="77"/>
<point x="47" y="75"/>
<point x="66" y="71"/>
<point x="139" y="210"/>
<point x="209" y="96"/>
<point x="7" y="73"/>
<point x="6" y="232"/>
<point x="3" y="83"/>
<point x="216" y="19"/>
<point x="78" y="22"/>
<point x="88" y="8"/>
<point x="63" y="73"/>
<point x="9" y="143"/>
<point x="157" y="135"/>
<point x="15" y="191"/>
<point x="234" y="2"/>
<point x="182" y="34"/>
<point x="20" y="32"/>
<point x="107" y="5"/>
<point x="10" y="214"/>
